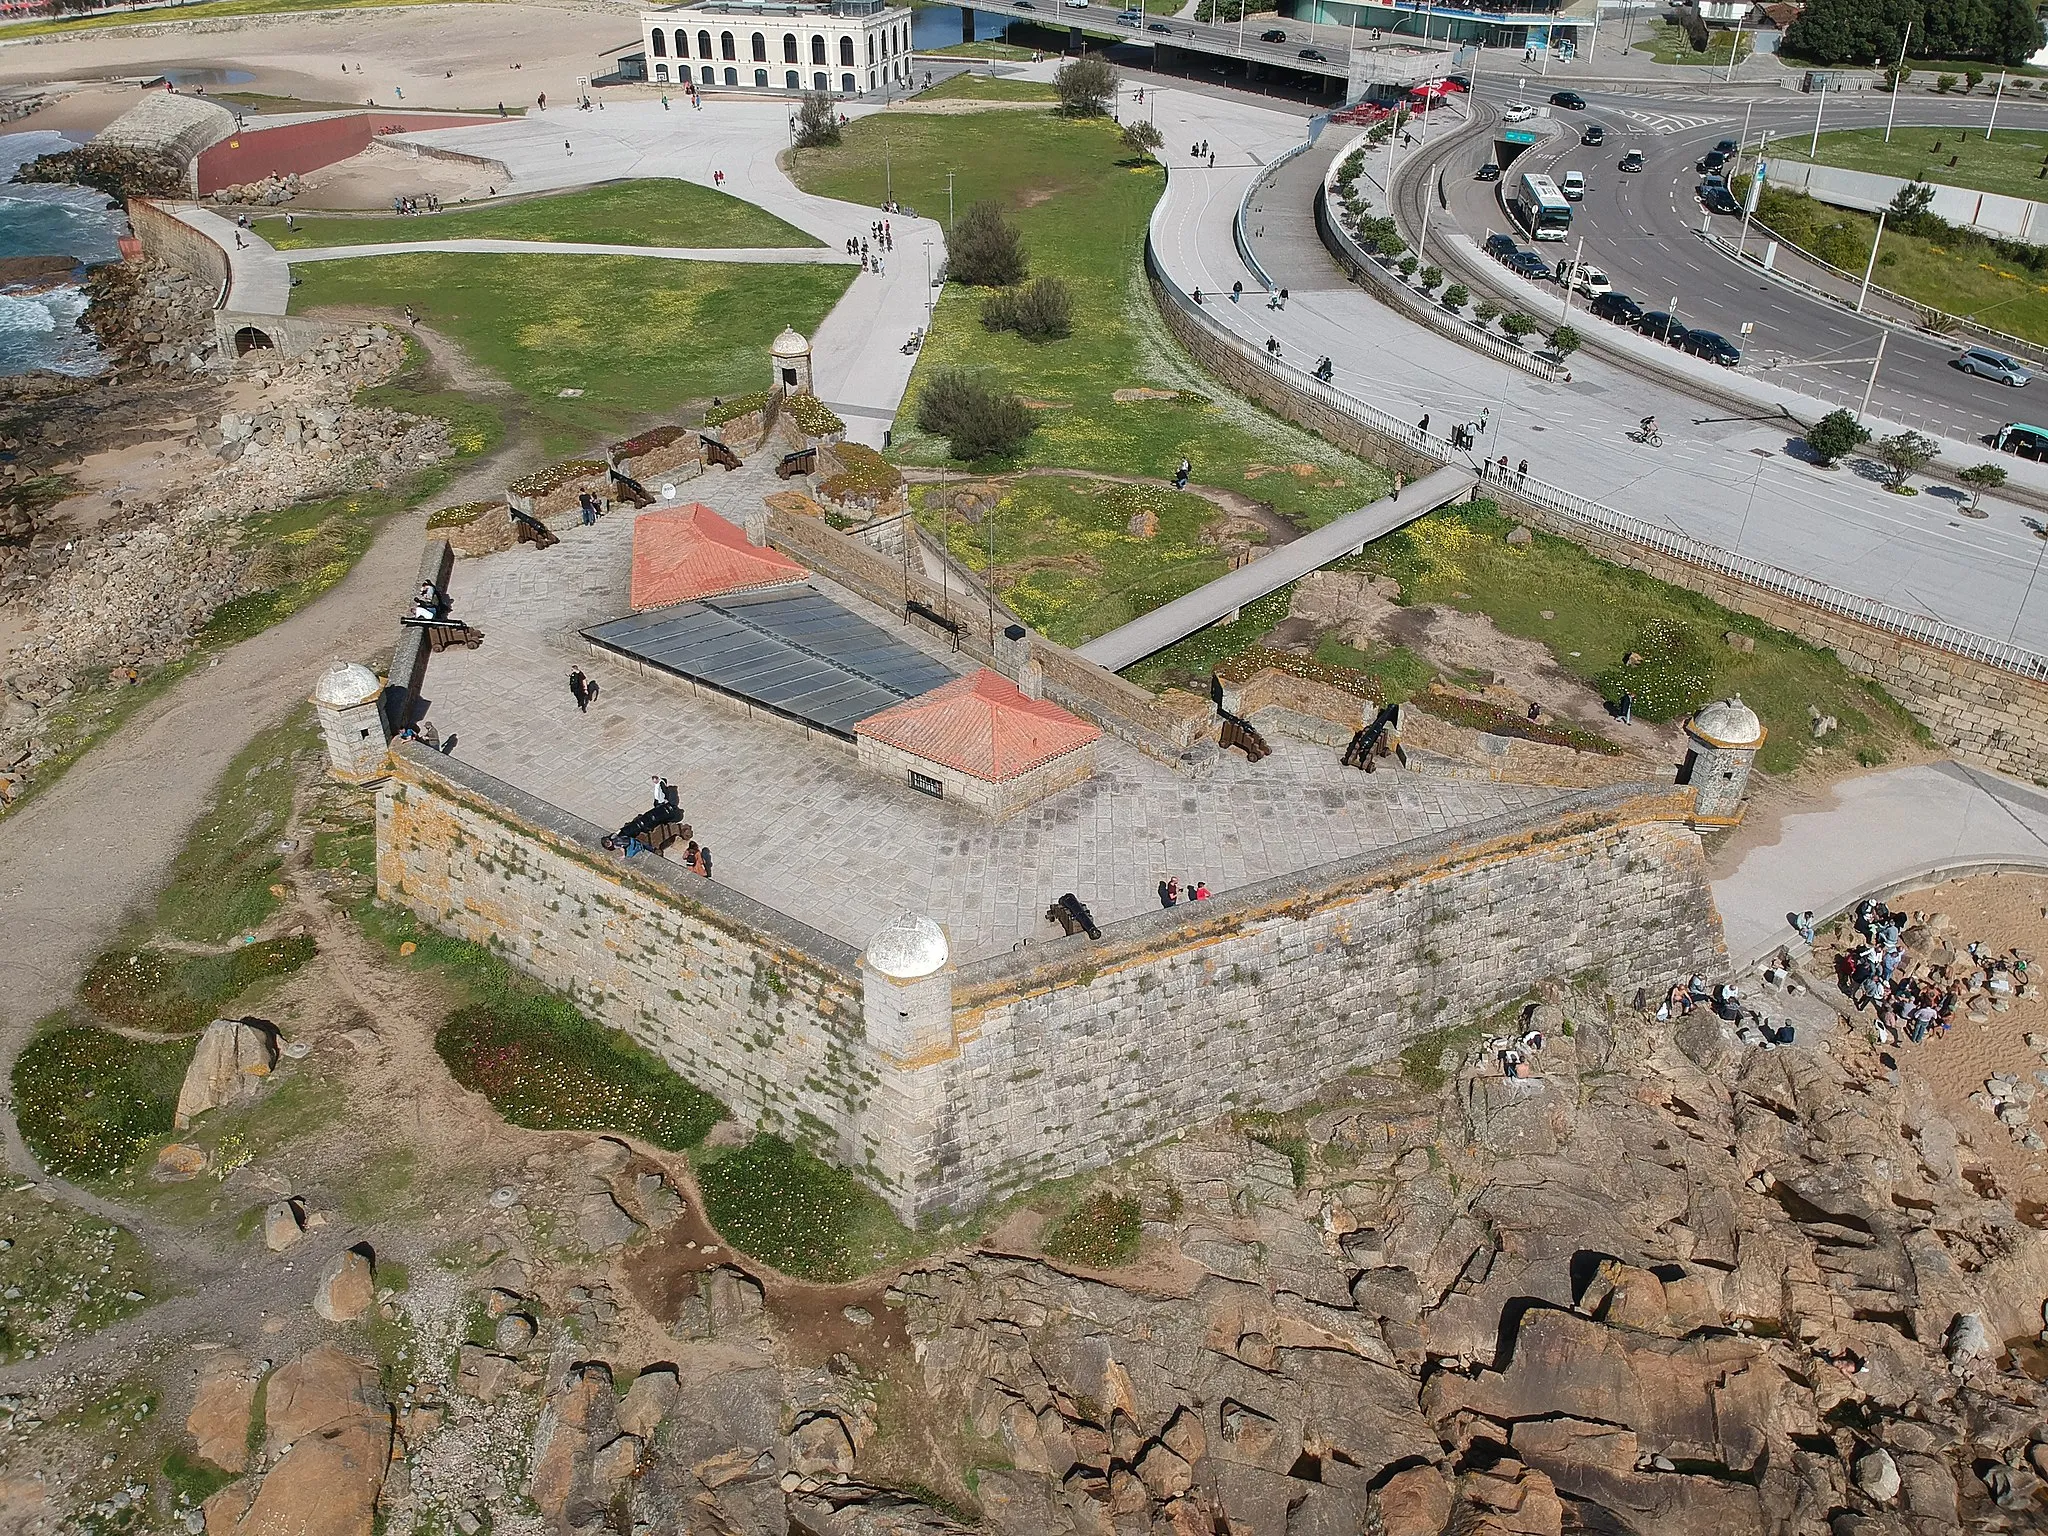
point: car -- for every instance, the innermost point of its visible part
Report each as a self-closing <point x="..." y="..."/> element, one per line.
<point x="1157" y="26"/>
<point x="1571" y="101"/>
<point x="1712" y="346"/>
<point x="1583" y="278"/>
<point x="1517" y="112"/>
<point x="1987" y="364"/>
<point x="1077" y="5"/>
<point x="1632" y="161"/>
<point x="1487" y="172"/>
<point x="1501" y="247"/>
<point x="1618" y="307"/>
<point x="1130" y="18"/>
<point x="1594" y="134"/>
<point x="1275" y="35"/>
<point x="1462" y="82"/>
<point x="2017" y="437"/>
<point x="1315" y="54"/>
<point x="1718" y="199"/>
<point x="1573" y="185"/>
<point x="1712" y="160"/>
<point x="1528" y="264"/>
<point x="1726" y="146"/>
<point x="1664" y="327"/>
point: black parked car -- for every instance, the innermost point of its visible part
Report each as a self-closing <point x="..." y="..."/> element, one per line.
<point x="1273" y="36"/>
<point x="1664" y="327"/>
<point x="1501" y="247"/>
<point x="1712" y="346"/>
<point x="1726" y="146"/>
<point x="1571" y="101"/>
<point x="1632" y="161"/>
<point x="1718" y="199"/>
<point x="1618" y="307"/>
<point x="1531" y="266"/>
<point x="1712" y="161"/>
<point x="1487" y="172"/>
<point x="1462" y="82"/>
<point x="1594" y="134"/>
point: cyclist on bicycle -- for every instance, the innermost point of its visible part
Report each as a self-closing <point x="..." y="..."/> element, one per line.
<point x="1649" y="426"/>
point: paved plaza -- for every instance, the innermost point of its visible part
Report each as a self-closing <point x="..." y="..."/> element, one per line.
<point x="803" y="828"/>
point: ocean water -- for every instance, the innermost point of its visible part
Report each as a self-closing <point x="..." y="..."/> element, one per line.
<point x="938" y="26"/>
<point x="40" y="329"/>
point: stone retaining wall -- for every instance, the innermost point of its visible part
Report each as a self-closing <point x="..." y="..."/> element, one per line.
<point x="1067" y="1054"/>
<point x="171" y="240"/>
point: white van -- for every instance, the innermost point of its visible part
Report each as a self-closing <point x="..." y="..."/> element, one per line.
<point x="1574" y="186"/>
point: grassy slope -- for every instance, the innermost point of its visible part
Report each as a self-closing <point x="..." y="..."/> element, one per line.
<point x="639" y="336"/>
<point x="211" y="9"/>
<point x="677" y="213"/>
<point x="2010" y="163"/>
<point x="1082" y="206"/>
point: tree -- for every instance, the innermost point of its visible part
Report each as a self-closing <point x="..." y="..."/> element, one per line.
<point x="1486" y="311"/>
<point x="1408" y="264"/>
<point x="1085" y="86"/>
<point x="986" y="250"/>
<point x="1041" y="310"/>
<point x="1834" y="435"/>
<point x="1457" y="296"/>
<point x="1981" y="478"/>
<point x="978" y="420"/>
<point x="1142" y="139"/>
<point x="1944" y="83"/>
<point x="1431" y="279"/>
<point x="1896" y="75"/>
<point x="817" y="122"/>
<point x="1517" y="324"/>
<point x="1972" y="78"/>
<point x="1902" y="454"/>
<point x="1564" y="341"/>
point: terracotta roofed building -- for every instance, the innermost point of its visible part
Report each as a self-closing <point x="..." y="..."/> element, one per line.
<point x="982" y="741"/>
<point x="681" y="554"/>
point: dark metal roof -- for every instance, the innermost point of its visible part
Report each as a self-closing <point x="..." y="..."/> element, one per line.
<point x="793" y="650"/>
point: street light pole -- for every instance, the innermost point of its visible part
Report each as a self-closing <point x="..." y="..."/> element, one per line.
<point x="1819" y="107"/>
<point x="1871" y="387"/>
<point x="1565" y="314"/>
<point x="1897" y="80"/>
<point x="1749" y="202"/>
<point x="1734" y="49"/>
<point x="1994" y="106"/>
<point x="1872" y="264"/>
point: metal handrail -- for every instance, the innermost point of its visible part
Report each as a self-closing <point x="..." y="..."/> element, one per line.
<point x="2021" y="660"/>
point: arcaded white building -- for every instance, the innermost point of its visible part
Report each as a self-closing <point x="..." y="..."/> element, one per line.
<point x="848" y="47"/>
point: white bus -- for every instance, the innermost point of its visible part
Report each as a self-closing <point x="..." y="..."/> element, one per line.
<point x="1540" y="208"/>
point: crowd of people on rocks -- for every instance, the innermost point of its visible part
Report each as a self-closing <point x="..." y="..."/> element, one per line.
<point x="1725" y="1001"/>
<point x="1913" y="998"/>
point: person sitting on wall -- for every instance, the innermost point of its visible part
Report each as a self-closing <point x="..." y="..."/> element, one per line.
<point x="430" y="603"/>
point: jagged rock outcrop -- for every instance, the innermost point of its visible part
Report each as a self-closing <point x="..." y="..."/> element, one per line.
<point x="229" y="1066"/>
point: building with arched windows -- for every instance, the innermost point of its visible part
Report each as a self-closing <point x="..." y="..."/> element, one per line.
<point x="846" y="47"/>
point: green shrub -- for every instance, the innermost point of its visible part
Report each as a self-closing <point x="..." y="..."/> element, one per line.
<point x="546" y="1067"/>
<point x="1085" y="86"/>
<point x="1944" y="83"/>
<point x="817" y="122"/>
<point x="1486" y="311"/>
<point x="1517" y="324"/>
<point x="88" y="1099"/>
<point x="812" y="415"/>
<point x="1835" y="434"/>
<point x="464" y="515"/>
<point x="1100" y="1233"/>
<point x="1457" y="296"/>
<point x="985" y="249"/>
<point x="1040" y="310"/>
<point x="173" y="993"/>
<point x="978" y="420"/>
<point x="723" y="411"/>
<point x="1564" y="341"/>
<point x="1431" y="279"/>
<point x="795" y="1211"/>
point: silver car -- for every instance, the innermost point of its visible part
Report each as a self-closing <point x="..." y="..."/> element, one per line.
<point x="1987" y="364"/>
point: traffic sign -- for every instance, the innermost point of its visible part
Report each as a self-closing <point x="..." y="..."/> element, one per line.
<point x="1518" y="136"/>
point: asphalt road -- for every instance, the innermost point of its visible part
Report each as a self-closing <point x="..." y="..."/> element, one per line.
<point x="1332" y="43"/>
<point x="1641" y="229"/>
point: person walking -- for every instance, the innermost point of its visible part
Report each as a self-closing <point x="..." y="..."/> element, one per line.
<point x="1399" y="481"/>
<point x="1422" y="426"/>
<point x="1522" y="473"/>
<point x="566" y="149"/>
<point x="579" y="690"/>
<point x="704" y="860"/>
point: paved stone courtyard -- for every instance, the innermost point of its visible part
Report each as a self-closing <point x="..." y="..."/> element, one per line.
<point x="800" y="826"/>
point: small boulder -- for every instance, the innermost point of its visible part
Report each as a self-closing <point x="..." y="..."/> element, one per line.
<point x="659" y="1204"/>
<point x="229" y="1064"/>
<point x="219" y="1420"/>
<point x="1416" y="1502"/>
<point x="647" y="1402"/>
<point x="282" y="1225"/>
<point x="732" y="1295"/>
<point x="1877" y="1475"/>
<point x="820" y="1447"/>
<point x="347" y="1287"/>
<point x="602" y="1223"/>
<point x="179" y="1161"/>
<point x="1520" y="537"/>
<point x="1969" y="1339"/>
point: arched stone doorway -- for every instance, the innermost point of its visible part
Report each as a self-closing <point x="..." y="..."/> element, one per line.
<point x="250" y="339"/>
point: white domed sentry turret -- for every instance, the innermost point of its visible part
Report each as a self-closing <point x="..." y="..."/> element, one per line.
<point x="789" y="358"/>
<point x="1725" y="737"/>
<point x="907" y="990"/>
<point x="349" y="704"/>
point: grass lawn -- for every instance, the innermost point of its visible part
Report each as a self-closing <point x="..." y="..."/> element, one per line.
<point x="207" y="11"/>
<point x="991" y="48"/>
<point x="1668" y="44"/>
<point x="973" y="87"/>
<point x="88" y="1099"/>
<point x="1065" y="560"/>
<point x="637" y="213"/>
<point x="2011" y="163"/>
<point x="1961" y="276"/>
<point x="64" y="1273"/>
<point x="1082" y="205"/>
<point x="640" y="337"/>
<point x="800" y="1214"/>
<point x="1462" y="559"/>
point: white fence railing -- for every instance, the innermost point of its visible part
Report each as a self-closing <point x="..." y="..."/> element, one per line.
<point x="1938" y="633"/>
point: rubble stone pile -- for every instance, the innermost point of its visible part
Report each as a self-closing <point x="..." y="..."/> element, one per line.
<point x="268" y="193"/>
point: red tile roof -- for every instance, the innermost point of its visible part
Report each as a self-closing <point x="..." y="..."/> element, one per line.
<point x="981" y="725"/>
<point x="681" y="553"/>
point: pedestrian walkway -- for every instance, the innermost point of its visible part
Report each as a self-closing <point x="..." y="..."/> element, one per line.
<point x="764" y="254"/>
<point x="1222" y="597"/>
<point x="1916" y="824"/>
<point x="259" y="282"/>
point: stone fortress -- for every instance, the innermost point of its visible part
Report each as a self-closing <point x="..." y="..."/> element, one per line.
<point x="899" y="787"/>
